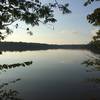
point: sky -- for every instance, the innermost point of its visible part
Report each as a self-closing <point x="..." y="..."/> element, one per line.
<point x="69" y="29"/>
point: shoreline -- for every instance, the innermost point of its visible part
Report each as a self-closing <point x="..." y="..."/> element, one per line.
<point x="23" y="46"/>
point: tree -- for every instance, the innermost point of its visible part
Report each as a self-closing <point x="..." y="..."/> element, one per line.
<point x="89" y="2"/>
<point x="94" y="19"/>
<point x="95" y="43"/>
<point x="29" y="11"/>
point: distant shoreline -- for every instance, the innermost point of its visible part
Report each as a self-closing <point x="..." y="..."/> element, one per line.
<point x="23" y="46"/>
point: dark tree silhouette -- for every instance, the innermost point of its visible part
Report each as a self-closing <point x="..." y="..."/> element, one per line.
<point x="95" y="43"/>
<point x="30" y="11"/>
<point x="89" y="2"/>
<point x="93" y="63"/>
<point x="94" y="19"/>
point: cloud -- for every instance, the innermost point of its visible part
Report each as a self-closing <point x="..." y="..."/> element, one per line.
<point x="68" y="32"/>
<point x="75" y="32"/>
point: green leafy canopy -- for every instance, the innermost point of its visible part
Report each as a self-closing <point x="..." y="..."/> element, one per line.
<point x="29" y="11"/>
<point x="94" y="19"/>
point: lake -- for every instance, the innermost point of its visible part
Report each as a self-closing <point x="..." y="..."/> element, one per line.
<point x="48" y="75"/>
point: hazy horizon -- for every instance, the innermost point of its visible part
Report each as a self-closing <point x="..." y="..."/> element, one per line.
<point x="47" y="43"/>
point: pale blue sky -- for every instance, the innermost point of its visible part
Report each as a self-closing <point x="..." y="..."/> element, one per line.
<point x="69" y="29"/>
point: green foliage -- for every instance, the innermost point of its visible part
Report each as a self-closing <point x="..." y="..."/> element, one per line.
<point x="30" y="11"/>
<point x="95" y="43"/>
<point x="89" y="2"/>
<point x="97" y="37"/>
<point x="94" y="18"/>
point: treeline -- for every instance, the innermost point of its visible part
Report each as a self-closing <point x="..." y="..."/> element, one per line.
<point x="22" y="46"/>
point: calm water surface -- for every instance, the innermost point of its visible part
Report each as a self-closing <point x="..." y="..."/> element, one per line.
<point x="53" y="75"/>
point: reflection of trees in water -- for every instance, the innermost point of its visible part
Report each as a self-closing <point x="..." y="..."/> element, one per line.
<point x="7" y="93"/>
<point x="92" y="64"/>
<point x="94" y="80"/>
<point x="10" y="66"/>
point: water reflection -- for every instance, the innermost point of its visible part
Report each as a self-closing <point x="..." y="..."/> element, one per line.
<point x="6" y="92"/>
<point x="9" y="94"/>
<point x="55" y="75"/>
<point x="93" y="64"/>
<point x="10" y="66"/>
<point x="94" y="80"/>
